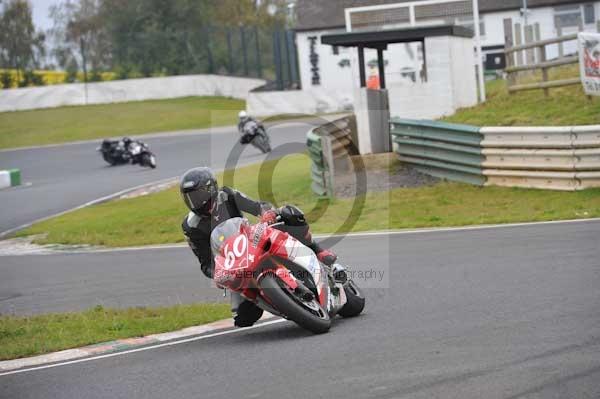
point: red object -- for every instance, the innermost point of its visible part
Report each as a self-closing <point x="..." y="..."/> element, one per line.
<point x="591" y="64"/>
<point x="327" y="257"/>
<point x="373" y="82"/>
<point x="269" y="217"/>
<point x="258" y="250"/>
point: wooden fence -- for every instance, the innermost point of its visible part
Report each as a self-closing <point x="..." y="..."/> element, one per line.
<point x="516" y="63"/>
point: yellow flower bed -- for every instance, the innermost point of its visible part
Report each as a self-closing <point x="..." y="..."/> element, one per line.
<point x="56" y="77"/>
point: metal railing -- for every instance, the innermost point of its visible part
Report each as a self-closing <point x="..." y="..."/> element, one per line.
<point x="557" y="158"/>
<point x="445" y="150"/>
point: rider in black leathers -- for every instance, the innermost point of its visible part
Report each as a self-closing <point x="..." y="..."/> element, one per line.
<point x="244" y="119"/>
<point x="209" y="206"/>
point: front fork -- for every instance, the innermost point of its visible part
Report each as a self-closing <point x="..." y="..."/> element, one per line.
<point x="339" y="274"/>
<point x="338" y="278"/>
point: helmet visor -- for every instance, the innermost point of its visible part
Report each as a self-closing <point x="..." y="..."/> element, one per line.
<point x="198" y="200"/>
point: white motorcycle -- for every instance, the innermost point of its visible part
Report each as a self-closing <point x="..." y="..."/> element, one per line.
<point x="256" y="134"/>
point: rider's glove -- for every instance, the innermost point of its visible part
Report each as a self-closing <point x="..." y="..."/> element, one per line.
<point x="269" y="217"/>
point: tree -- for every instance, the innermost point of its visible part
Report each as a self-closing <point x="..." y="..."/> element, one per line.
<point x="160" y="37"/>
<point x="80" y="33"/>
<point x="155" y="36"/>
<point x="6" y="79"/>
<point x="235" y="13"/>
<point x="21" y="46"/>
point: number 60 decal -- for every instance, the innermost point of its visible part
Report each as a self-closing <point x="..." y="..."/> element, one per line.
<point x="239" y="248"/>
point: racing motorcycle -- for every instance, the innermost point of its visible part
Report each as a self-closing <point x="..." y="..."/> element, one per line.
<point x="256" y="134"/>
<point x="281" y="275"/>
<point x="115" y="153"/>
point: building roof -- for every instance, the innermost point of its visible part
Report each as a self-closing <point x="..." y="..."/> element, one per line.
<point x="380" y="39"/>
<point x="329" y="14"/>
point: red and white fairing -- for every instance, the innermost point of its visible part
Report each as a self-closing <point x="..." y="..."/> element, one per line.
<point x="244" y="253"/>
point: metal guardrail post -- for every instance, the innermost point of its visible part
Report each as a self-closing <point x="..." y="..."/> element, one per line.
<point x="329" y="148"/>
<point x="318" y="165"/>
<point x="326" y="145"/>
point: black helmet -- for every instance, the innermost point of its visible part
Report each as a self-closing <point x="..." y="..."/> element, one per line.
<point x="199" y="190"/>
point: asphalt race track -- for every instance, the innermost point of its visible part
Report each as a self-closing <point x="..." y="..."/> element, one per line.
<point x="59" y="283"/>
<point x="66" y="176"/>
<point x="509" y="312"/>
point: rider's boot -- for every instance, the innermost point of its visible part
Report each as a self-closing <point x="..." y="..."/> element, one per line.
<point x="329" y="258"/>
<point x="245" y="313"/>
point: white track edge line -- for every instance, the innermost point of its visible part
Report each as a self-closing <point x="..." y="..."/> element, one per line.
<point x="351" y="235"/>
<point x="145" y="348"/>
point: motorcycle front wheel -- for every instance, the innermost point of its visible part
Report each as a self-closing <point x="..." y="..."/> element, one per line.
<point x="355" y="300"/>
<point x="262" y="143"/>
<point x="149" y="160"/>
<point x="308" y="315"/>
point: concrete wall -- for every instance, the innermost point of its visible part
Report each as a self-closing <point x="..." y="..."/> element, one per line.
<point x="311" y="101"/>
<point x="340" y="71"/>
<point x="450" y="84"/>
<point x="333" y="76"/>
<point x="126" y="90"/>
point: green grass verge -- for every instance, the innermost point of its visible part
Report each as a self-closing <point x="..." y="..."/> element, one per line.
<point x="445" y="204"/>
<point x="64" y="124"/>
<point x="565" y="106"/>
<point x="36" y="335"/>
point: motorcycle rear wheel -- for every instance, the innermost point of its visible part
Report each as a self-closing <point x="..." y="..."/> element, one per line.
<point x="302" y="313"/>
<point x="110" y="160"/>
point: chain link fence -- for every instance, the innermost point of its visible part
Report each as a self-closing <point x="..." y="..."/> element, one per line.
<point x="269" y="54"/>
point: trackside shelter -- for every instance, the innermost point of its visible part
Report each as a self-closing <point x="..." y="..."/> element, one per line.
<point x="445" y="81"/>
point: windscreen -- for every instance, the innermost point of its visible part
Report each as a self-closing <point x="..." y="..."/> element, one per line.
<point x="223" y="231"/>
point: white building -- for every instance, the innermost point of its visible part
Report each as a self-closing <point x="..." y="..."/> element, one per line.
<point x="329" y="75"/>
<point x="326" y="72"/>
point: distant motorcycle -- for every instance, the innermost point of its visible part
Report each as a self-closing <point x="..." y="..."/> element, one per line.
<point x="115" y="152"/>
<point x="256" y="134"/>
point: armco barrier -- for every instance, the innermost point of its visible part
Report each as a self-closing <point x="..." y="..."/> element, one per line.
<point x="10" y="178"/>
<point x="526" y="137"/>
<point x="532" y="179"/>
<point x="558" y="158"/>
<point x="528" y="159"/>
<point x="329" y="147"/>
<point x="586" y="136"/>
<point x="440" y="149"/>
